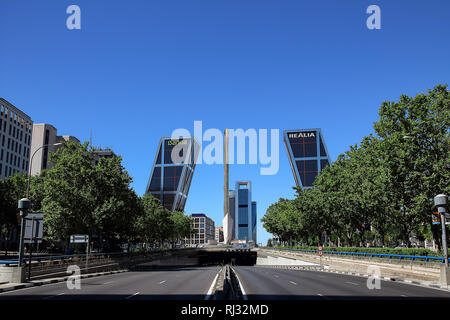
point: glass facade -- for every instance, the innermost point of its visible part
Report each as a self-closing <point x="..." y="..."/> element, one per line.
<point x="307" y="154"/>
<point x="244" y="212"/>
<point x="172" y="171"/>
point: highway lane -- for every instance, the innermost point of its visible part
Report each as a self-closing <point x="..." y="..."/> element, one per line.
<point x="183" y="283"/>
<point x="274" y="284"/>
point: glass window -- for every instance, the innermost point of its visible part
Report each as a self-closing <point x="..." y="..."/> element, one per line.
<point x="168" y="200"/>
<point x="172" y="177"/>
<point x="155" y="184"/>
<point x="303" y="144"/>
<point x="323" y="163"/>
<point x="243" y="233"/>
<point x="308" y="171"/>
<point x="158" y="159"/>
<point x="243" y="215"/>
<point x="322" y="148"/>
<point x="168" y="147"/>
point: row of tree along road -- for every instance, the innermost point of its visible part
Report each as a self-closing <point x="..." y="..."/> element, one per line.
<point x="381" y="191"/>
<point x="79" y="197"/>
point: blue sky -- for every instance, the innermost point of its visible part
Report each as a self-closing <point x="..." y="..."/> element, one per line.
<point x="139" y="69"/>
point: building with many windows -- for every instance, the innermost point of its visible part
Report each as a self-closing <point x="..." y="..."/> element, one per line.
<point x="204" y="230"/>
<point x="242" y="212"/>
<point x="43" y="139"/>
<point x="172" y="171"/>
<point x="219" y="234"/>
<point x="15" y="140"/>
<point x="307" y="153"/>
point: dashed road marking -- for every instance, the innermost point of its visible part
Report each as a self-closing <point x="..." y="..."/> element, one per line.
<point x="129" y="297"/>
<point x="162" y="282"/>
<point x="293" y="282"/>
<point x="46" y="298"/>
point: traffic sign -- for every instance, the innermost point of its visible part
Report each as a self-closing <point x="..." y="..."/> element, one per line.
<point x="33" y="228"/>
<point x="79" y="238"/>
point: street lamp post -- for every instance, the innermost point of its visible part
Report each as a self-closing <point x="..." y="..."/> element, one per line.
<point x="25" y="205"/>
<point x="441" y="202"/>
<point x="31" y="164"/>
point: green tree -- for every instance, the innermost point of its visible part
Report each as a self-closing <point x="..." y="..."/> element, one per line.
<point x="155" y="224"/>
<point x="83" y="198"/>
<point x="416" y="146"/>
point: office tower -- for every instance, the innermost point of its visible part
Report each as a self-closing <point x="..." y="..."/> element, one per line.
<point x="307" y="153"/>
<point x="15" y="140"/>
<point x="172" y="171"/>
<point x="244" y="213"/>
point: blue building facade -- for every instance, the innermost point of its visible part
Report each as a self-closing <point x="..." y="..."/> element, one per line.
<point x="172" y="171"/>
<point x="307" y="153"/>
<point x="244" y="212"/>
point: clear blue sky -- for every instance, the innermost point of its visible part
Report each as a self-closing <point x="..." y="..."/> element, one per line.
<point x="139" y="69"/>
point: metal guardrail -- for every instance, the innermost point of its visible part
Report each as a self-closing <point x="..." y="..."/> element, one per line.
<point x="81" y="255"/>
<point x="374" y="255"/>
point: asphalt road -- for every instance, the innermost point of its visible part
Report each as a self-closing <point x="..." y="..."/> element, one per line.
<point x="275" y="284"/>
<point x="186" y="283"/>
<point x="194" y="283"/>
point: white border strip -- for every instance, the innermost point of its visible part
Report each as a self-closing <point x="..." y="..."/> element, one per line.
<point x="213" y="284"/>
<point x="244" y="294"/>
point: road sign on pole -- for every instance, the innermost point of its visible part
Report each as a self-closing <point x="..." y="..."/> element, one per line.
<point x="82" y="238"/>
<point x="320" y="251"/>
<point x="33" y="228"/>
<point x="79" y="238"/>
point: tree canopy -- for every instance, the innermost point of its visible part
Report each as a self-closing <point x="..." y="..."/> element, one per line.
<point x="383" y="189"/>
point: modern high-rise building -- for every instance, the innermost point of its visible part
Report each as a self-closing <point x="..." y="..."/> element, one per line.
<point x="204" y="228"/>
<point x="15" y="140"/>
<point x="172" y="171"/>
<point x="242" y="211"/>
<point x="308" y="154"/>
<point x="44" y="137"/>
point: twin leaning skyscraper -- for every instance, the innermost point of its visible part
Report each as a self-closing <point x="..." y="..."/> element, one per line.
<point x="170" y="180"/>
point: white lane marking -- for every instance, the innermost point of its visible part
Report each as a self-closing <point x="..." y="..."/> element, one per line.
<point x="276" y="276"/>
<point x="129" y="297"/>
<point x="293" y="282"/>
<point x="319" y="294"/>
<point x="355" y="284"/>
<point x="108" y="282"/>
<point x="162" y="282"/>
<point x="402" y="295"/>
<point x="213" y="284"/>
<point x="46" y="298"/>
<point x="244" y="295"/>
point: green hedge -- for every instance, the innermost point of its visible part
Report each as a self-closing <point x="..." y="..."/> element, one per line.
<point x="401" y="251"/>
